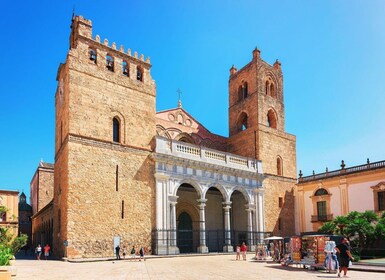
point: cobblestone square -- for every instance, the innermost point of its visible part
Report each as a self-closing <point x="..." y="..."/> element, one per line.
<point x="194" y="267"/>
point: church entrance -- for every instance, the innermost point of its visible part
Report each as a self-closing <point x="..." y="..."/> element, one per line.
<point x="185" y="233"/>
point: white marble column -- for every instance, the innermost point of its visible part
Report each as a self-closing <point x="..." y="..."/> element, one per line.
<point x="202" y="226"/>
<point x="226" y="208"/>
<point x="260" y="213"/>
<point x="250" y="232"/>
<point x="173" y="236"/>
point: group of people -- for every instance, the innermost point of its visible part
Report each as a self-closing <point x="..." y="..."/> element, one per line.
<point x="38" y="251"/>
<point x="241" y="250"/>
<point x="342" y="250"/>
<point x="132" y="252"/>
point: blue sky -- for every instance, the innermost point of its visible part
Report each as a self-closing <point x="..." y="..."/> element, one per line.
<point x="332" y="55"/>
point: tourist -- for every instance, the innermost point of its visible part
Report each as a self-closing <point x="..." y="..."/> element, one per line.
<point x="141" y="254"/>
<point x="117" y="251"/>
<point x="46" y="251"/>
<point x="124" y="251"/>
<point x="238" y="256"/>
<point x="345" y="256"/>
<point x="38" y="252"/>
<point x="243" y="250"/>
<point x="133" y="253"/>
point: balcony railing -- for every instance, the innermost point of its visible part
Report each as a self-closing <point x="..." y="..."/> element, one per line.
<point x="203" y="154"/>
<point x="321" y="218"/>
<point x="342" y="171"/>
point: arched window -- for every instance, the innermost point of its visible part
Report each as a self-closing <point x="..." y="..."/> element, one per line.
<point x="110" y="63"/>
<point x="125" y="69"/>
<point x="116" y="130"/>
<point x="245" y="90"/>
<point x="139" y="73"/>
<point x="93" y="56"/>
<point x="271" y="119"/>
<point x="272" y="90"/>
<point x="242" y="122"/>
<point x="267" y="88"/>
<point x="321" y="192"/>
<point x="279" y="166"/>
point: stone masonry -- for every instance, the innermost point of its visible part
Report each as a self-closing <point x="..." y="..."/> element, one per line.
<point x="263" y="136"/>
<point x="103" y="188"/>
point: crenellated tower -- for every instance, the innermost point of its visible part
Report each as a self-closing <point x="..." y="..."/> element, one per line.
<point x="257" y="130"/>
<point x="105" y="120"/>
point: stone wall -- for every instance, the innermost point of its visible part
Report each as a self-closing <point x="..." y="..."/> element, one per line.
<point x="103" y="188"/>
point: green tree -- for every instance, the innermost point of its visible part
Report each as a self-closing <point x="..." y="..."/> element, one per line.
<point x="362" y="228"/>
<point x="9" y="244"/>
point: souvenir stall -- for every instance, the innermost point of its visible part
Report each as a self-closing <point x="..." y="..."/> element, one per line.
<point x="295" y="248"/>
<point x="313" y="249"/>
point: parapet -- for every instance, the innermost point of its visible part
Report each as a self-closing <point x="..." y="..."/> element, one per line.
<point x="83" y="27"/>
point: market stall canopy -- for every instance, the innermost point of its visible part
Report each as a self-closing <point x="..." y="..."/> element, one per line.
<point x="274" y="238"/>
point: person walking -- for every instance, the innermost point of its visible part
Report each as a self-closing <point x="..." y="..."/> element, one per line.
<point x="243" y="250"/>
<point x="238" y="256"/>
<point x="133" y="253"/>
<point x="345" y="256"/>
<point x="38" y="252"/>
<point x="117" y="251"/>
<point x="141" y="254"/>
<point x="124" y="251"/>
<point x="47" y="248"/>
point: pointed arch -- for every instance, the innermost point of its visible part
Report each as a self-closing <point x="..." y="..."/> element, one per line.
<point x="272" y="118"/>
<point x="242" y="123"/>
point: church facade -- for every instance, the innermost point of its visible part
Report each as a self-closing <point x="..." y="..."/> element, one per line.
<point x="125" y="174"/>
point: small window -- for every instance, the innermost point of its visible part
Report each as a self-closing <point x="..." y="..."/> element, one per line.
<point x="272" y="90"/>
<point x="116" y="130"/>
<point x="125" y="69"/>
<point x="245" y="90"/>
<point x="271" y="119"/>
<point x="279" y="166"/>
<point x="381" y="201"/>
<point x="242" y="122"/>
<point x="139" y="73"/>
<point x="93" y="56"/>
<point x="280" y="202"/>
<point x="117" y="178"/>
<point x="110" y="63"/>
<point x="321" y="211"/>
<point x="122" y="209"/>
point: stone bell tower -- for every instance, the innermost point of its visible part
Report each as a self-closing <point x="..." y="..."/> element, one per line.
<point x="257" y="130"/>
<point x="105" y="120"/>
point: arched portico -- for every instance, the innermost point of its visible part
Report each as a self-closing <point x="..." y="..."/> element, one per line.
<point x="202" y="196"/>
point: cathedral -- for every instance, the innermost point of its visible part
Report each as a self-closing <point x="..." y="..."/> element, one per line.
<point x="126" y="174"/>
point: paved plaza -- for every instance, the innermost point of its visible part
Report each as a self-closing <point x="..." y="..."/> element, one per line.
<point x="192" y="267"/>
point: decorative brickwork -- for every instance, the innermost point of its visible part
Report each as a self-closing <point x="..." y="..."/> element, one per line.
<point x="257" y="129"/>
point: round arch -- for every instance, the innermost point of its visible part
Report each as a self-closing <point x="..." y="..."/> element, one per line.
<point x="192" y="183"/>
<point x="220" y="188"/>
<point x="242" y="191"/>
<point x="185" y="137"/>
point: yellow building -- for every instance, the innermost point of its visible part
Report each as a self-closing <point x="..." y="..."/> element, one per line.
<point x="9" y="219"/>
<point x="322" y="197"/>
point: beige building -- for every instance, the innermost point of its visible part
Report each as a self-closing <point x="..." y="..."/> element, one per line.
<point x="322" y="197"/>
<point x="9" y="219"/>
<point x="127" y="175"/>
